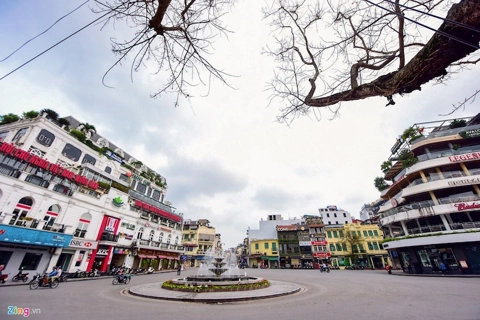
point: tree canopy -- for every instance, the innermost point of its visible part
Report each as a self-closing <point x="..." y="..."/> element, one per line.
<point x="326" y="52"/>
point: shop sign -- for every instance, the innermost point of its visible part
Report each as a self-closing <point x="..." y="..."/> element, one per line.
<point x="164" y="229"/>
<point x="472" y="133"/>
<point x="113" y="156"/>
<point x="465" y="206"/>
<point x="464" y="264"/>
<point x="304" y="243"/>
<point x="286" y="228"/>
<point x="117" y="201"/>
<point x="465" y="157"/>
<point x="128" y="226"/>
<point x="126" y="236"/>
<point x="76" y="243"/>
<point x="102" y="252"/>
<point x="121" y="251"/>
<point x="319" y="243"/>
<point x="110" y="225"/>
<point x="466" y="181"/>
<point x="20" y="235"/>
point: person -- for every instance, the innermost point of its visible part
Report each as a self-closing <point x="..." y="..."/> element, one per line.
<point x="409" y="267"/>
<point x="52" y="274"/>
<point x="443" y="267"/>
<point x="59" y="272"/>
<point x="324" y="266"/>
<point x="179" y="269"/>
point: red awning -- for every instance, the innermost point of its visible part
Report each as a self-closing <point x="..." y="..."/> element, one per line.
<point x="170" y="258"/>
<point x="141" y="256"/>
<point x="162" y="257"/>
<point x="152" y="257"/>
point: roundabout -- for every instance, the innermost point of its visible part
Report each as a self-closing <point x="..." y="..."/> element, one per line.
<point x="155" y="291"/>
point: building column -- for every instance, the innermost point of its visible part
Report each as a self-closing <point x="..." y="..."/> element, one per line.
<point x="390" y="230"/>
<point x="445" y="222"/>
<point x="404" y="227"/>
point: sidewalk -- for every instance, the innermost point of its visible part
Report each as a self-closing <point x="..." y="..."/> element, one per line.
<point x="439" y="275"/>
<point x="10" y="283"/>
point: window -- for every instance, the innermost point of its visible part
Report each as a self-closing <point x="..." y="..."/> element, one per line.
<point x="140" y="233"/>
<point x="141" y="188"/>
<point x="370" y="233"/>
<point x="334" y="215"/>
<point x="30" y="261"/>
<point x="83" y="225"/>
<point x="45" y="138"/>
<point x="3" y="135"/>
<point x="152" y="234"/>
<point x="375" y="246"/>
<point x="71" y="152"/>
<point x="21" y="211"/>
<point x="176" y="240"/>
<point x="108" y="169"/>
<point x="274" y="246"/>
<point x="336" y="222"/>
<point x="20" y="133"/>
<point x="375" y="233"/>
<point x="365" y="234"/>
<point x="169" y="238"/>
<point x="50" y="216"/>
<point x="265" y="245"/>
<point x="328" y="215"/>
<point x="160" y="237"/>
<point x="329" y="234"/>
<point x="5" y="257"/>
<point x="156" y="195"/>
<point x="339" y="247"/>
<point x="256" y="246"/>
<point x="123" y="177"/>
<point x="370" y="246"/>
<point x="329" y="222"/>
<point x="359" y="234"/>
<point x="332" y="247"/>
<point x="344" y="214"/>
<point x="79" y="259"/>
<point x="89" y="159"/>
<point x="344" y="246"/>
<point x="341" y="233"/>
<point x="335" y="234"/>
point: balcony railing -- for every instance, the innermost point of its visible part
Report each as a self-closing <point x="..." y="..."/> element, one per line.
<point x="106" y="236"/>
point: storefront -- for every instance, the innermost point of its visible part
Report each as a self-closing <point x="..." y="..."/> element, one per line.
<point x="79" y="248"/>
<point x="107" y="238"/>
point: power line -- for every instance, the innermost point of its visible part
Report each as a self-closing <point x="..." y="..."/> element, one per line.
<point x="56" y="44"/>
<point x="466" y="26"/>
<point x="11" y="54"/>
<point x="425" y="26"/>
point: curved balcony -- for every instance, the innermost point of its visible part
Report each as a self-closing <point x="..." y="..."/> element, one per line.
<point x="447" y="238"/>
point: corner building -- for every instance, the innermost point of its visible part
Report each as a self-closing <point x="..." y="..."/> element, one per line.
<point x="79" y="205"/>
<point x="432" y="213"/>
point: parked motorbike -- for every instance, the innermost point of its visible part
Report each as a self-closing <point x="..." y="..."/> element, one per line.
<point x="79" y="274"/>
<point x="3" y="277"/>
<point x="20" y="276"/>
<point x="122" y="278"/>
<point x="389" y="269"/>
<point x="93" y="273"/>
<point x="150" y="270"/>
<point x="43" y="281"/>
<point x="64" y="277"/>
<point x="327" y="269"/>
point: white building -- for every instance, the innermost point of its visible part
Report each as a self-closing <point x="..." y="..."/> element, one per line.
<point x="79" y="205"/>
<point x="333" y="215"/>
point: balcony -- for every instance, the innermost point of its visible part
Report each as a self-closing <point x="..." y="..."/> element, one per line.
<point x="150" y="244"/>
<point x="108" y="237"/>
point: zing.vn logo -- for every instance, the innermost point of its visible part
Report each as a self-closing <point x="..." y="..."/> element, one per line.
<point x="14" y="310"/>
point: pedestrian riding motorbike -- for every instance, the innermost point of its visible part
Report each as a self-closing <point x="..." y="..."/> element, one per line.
<point x="122" y="278"/>
<point x="43" y="281"/>
<point x="20" y="276"/>
<point x="327" y="269"/>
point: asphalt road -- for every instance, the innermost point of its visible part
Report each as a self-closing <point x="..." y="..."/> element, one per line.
<point x="341" y="294"/>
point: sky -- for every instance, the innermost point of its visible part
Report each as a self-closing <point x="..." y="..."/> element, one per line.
<point x="224" y="155"/>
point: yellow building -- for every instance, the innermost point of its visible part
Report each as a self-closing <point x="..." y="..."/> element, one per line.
<point x="199" y="239"/>
<point x="264" y="253"/>
<point x="357" y="243"/>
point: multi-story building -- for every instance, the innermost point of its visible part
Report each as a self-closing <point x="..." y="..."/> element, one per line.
<point x="267" y="231"/>
<point x="333" y="215"/>
<point x="75" y="200"/>
<point x="433" y="210"/>
<point x="318" y="240"/>
<point x="199" y="241"/>
<point x="370" y="211"/>
<point x="264" y="253"/>
<point x="357" y="243"/>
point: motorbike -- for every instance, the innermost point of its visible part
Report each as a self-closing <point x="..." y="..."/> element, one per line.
<point x="64" y="277"/>
<point x="149" y="271"/>
<point x="389" y="269"/>
<point x="3" y="277"/>
<point x="121" y="278"/>
<point x="43" y="281"/>
<point x="20" y="276"/>
<point x="79" y="274"/>
<point x="327" y="269"/>
<point x="93" y="273"/>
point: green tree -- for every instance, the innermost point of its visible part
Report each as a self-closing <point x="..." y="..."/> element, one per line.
<point x="381" y="184"/>
<point x="9" y="118"/>
<point x="352" y="240"/>
<point x="386" y="165"/>
<point x="50" y="114"/>
<point x="30" y="114"/>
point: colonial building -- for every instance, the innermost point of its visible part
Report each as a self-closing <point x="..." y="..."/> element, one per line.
<point x="73" y="199"/>
<point x="333" y="215"/>
<point x="432" y="213"/>
<point x="200" y="241"/>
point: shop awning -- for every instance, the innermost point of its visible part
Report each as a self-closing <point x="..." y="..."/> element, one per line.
<point x="170" y="258"/>
<point x="273" y="258"/>
<point x="152" y="257"/>
<point x="162" y="257"/>
<point x="141" y="256"/>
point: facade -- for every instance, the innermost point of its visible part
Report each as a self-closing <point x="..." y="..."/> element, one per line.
<point x="318" y="240"/>
<point x="432" y="213"/>
<point x="264" y="253"/>
<point x="199" y="240"/>
<point x="79" y="205"/>
<point x="333" y="215"/>
<point x="358" y="243"/>
<point x="370" y="211"/>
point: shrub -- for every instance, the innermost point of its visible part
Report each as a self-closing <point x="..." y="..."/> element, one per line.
<point x="9" y="118"/>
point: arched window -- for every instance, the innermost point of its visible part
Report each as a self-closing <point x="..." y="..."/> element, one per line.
<point x="176" y="240"/>
<point x="140" y="233"/>
<point x="152" y="234"/>
<point x="160" y="237"/>
<point x="21" y="211"/>
<point x="169" y="238"/>
<point x="83" y="225"/>
<point x="50" y="216"/>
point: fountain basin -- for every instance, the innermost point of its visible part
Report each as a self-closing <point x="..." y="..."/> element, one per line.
<point x="214" y="284"/>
